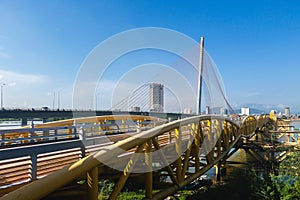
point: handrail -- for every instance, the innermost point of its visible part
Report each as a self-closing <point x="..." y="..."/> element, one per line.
<point x="50" y="130"/>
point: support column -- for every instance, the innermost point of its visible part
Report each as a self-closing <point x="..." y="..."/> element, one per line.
<point x="33" y="167"/>
<point x="92" y="182"/>
<point x="24" y="122"/>
<point x="197" y="145"/>
<point x="218" y="172"/>
<point x="178" y="146"/>
<point x="149" y="175"/>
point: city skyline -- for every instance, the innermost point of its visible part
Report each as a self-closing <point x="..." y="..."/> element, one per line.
<point x="254" y="45"/>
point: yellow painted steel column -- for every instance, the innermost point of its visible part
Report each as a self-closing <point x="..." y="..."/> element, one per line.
<point x="226" y="136"/>
<point x="197" y="145"/>
<point x="178" y="151"/>
<point x="209" y="156"/>
<point x="126" y="173"/>
<point x="92" y="183"/>
<point x="149" y="175"/>
<point x="123" y="125"/>
<point x="186" y="161"/>
<point x="217" y="136"/>
<point x="218" y="171"/>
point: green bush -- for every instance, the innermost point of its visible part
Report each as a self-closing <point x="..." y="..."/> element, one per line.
<point x="285" y="185"/>
<point x="105" y="188"/>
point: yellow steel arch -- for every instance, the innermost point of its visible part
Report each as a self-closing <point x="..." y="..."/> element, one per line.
<point x="194" y="133"/>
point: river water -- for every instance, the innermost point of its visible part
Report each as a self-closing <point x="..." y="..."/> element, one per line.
<point x="296" y="124"/>
<point x="12" y="124"/>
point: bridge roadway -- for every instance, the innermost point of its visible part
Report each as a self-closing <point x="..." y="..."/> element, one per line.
<point x="45" y="115"/>
<point x="167" y="157"/>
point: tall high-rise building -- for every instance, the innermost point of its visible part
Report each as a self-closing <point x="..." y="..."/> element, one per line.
<point x="156" y="97"/>
<point x="287" y="111"/>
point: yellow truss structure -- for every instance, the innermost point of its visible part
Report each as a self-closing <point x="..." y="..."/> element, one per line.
<point x="197" y="143"/>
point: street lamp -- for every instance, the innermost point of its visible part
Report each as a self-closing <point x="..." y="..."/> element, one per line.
<point x="58" y="99"/>
<point x="2" y="84"/>
<point x="96" y="101"/>
<point x="53" y="103"/>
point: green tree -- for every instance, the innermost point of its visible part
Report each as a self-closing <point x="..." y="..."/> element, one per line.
<point x="286" y="185"/>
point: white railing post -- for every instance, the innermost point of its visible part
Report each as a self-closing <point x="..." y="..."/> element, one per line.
<point x="75" y="129"/>
<point x="82" y="135"/>
<point x="138" y="127"/>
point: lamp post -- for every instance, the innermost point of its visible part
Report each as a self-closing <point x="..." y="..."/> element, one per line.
<point x="58" y="99"/>
<point x="2" y="84"/>
<point x="53" y="103"/>
<point x="96" y="101"/>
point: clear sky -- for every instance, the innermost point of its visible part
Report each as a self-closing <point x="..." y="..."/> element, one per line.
<point x="255" y="44"/>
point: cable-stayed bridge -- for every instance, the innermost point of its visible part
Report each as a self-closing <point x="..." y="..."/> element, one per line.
<point x="139" y="98"/>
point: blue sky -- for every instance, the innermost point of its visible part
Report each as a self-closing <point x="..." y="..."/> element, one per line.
<point x="255" y="44"/>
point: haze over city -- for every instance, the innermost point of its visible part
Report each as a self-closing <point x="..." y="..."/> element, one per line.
<point x="254" y="45"/>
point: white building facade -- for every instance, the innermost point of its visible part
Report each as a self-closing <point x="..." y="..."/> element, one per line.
<point x="245" y="111"/>
<point x="156" y="97"/>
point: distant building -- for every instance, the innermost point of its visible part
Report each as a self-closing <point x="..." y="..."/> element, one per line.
<point x="223" y="111"/>
<point x="287" y="111"/>
<point x="135" y="109"/>
<point x="275" y="113"/>
<point x="156" y="97"/>
<point x="245" y="111"/>
<point x="207" y="110"/>
<point x="187" y="111"/>
<point x="215" y="110"/>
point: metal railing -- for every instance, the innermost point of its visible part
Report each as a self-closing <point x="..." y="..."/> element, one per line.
<point x="74" y="128"/>
<point x="35" y="135"/>
<point x="28" y="154"/>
